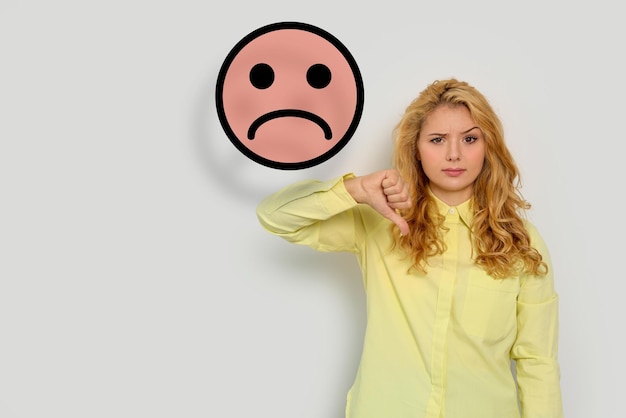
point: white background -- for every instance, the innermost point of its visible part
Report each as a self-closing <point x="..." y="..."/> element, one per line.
<point x="135" y="280"/>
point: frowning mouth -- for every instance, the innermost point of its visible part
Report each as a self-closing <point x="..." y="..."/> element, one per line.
<point x="328" y="134"/>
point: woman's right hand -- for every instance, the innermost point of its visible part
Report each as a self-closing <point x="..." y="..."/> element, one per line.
<point x="385" y="191"/>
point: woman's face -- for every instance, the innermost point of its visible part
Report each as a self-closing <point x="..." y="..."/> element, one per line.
<point x="451" y="148"/>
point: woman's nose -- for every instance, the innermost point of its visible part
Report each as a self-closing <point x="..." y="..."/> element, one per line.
<point x="453" y="153"/>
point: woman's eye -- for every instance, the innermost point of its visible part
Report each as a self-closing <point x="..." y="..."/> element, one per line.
<point x="470" y="139"/>
<point x="436" y="140"/>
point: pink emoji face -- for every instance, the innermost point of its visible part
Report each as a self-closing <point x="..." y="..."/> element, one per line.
<point x="289" y="95"/>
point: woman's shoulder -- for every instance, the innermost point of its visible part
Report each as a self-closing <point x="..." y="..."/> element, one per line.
<point x="536" y="238"/>
<point x="531" y="227"/>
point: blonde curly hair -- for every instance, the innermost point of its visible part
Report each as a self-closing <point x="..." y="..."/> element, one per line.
<point x="501" y="242"/>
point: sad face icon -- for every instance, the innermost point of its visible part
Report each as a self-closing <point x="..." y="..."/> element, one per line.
<point x="289" y="95"/>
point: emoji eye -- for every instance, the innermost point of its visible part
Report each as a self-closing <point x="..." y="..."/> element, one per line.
<point x="261" y="76"/>
<point x="318" y="76"/>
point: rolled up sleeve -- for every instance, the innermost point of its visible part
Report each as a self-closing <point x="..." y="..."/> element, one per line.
<point x="313" y="213"/>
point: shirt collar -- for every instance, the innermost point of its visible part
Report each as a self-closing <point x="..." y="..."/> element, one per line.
<point x="464" y="209"/>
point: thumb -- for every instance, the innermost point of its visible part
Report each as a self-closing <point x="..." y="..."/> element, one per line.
<point x="397" y="219"/>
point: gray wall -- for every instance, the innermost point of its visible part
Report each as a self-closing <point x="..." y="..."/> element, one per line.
<point x="135" y="280"/>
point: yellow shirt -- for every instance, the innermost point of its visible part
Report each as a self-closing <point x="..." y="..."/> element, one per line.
<point x="438" y="344"/>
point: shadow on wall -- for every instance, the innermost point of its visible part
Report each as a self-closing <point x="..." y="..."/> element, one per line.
<point x="331" y="285"/>
<point x="228" y="169"/>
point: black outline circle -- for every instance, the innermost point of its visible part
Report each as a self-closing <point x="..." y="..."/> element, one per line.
<point x="360" y="93"/>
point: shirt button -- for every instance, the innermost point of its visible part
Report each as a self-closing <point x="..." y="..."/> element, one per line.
<point x="451" y="211"/>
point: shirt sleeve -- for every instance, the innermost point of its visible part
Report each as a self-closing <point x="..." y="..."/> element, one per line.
<point x="318" y="214"/>
<point x="536" y="346"/>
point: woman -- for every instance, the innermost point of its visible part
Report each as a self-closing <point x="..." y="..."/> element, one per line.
<point x="458" y="282"/>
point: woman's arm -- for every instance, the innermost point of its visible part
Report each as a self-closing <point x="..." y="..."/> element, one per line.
<point x="318" y="213"/>
<point x="536" y="347"/>
<point x="311" y="212"/>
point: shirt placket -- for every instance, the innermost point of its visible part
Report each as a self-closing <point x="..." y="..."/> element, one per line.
<point x="436" y="402"/>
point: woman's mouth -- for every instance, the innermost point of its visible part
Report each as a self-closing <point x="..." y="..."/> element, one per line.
<point x="454" y="172"/>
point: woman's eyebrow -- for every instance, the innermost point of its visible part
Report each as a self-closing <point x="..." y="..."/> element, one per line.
<point x="471" y="129"/>
<point x="444" y="134"/>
